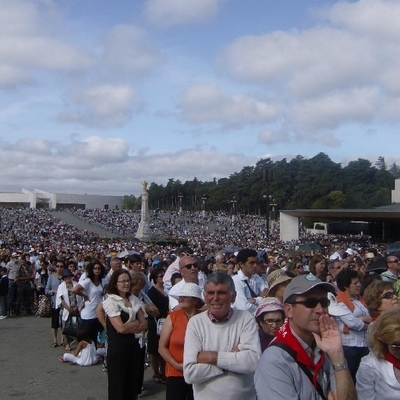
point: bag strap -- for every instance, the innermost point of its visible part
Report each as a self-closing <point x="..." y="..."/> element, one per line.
<point x="252" y="292"/>
<point x="305" y="369"/>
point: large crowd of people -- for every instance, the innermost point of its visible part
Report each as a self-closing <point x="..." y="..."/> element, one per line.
<point x="235" y="314"/>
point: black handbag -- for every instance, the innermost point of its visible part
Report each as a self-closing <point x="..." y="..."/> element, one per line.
<point x="72" y="325"/>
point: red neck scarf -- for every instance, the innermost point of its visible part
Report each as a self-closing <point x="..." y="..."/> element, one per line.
<point x="285" y="336"/>
<point x="392" y="360"/>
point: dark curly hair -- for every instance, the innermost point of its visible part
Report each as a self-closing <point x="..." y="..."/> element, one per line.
<point x="89" y="270"/>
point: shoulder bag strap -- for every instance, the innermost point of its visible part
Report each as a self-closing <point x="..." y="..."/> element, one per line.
<point x="301" y="365"/>
<point x="252" y="292"/>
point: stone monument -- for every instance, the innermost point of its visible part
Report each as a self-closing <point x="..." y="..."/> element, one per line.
<point x="144" y="231"/>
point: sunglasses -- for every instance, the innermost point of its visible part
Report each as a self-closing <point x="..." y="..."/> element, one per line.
<point x="189" y="266"/>
<point x="393" y="261"/>
<point x="299" y="266"/>
<point x="59" y="265"/>
<point x="312" y="302"/>
<point x="389" y="295"/>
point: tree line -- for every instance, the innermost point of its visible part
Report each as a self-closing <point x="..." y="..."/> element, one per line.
<point x="300" y="183"/>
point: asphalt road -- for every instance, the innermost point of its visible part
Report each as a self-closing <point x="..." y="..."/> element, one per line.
<point x="70" y="219"/>
<point x="30" y="370"/>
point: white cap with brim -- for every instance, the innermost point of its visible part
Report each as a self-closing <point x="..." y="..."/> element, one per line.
<point x="303" y="283"/>
<point x="335" y="309"/>
<point x="188" y="290"/>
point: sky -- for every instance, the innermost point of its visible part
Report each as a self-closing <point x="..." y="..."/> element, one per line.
<point x="97" y="96"/>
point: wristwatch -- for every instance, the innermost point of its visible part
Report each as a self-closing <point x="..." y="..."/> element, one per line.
<point x="340" y="367"/>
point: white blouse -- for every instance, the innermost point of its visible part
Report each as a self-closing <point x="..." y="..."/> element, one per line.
<point x="376" y="379"/>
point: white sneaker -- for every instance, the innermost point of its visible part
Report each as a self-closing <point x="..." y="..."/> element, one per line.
<point x="3" y="316"/>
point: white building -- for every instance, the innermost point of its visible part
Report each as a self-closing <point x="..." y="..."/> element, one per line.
<point x="42" y="199"/>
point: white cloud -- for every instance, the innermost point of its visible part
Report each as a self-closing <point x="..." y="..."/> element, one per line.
<point x="11" y="76"/>
<point x="344" y="70"/>
<point x="204" y="103"/>
<point x="94" y="148"/>
<point x="101" y="106"/>
<point x="273" y="137"/>
<point x="128" y="47"/>
<point x="25" y="45"/>
<point x="166" y="13"/>
<point x="302" y="63"/>
<point x="102" y="165"/>
<point x="377" y="19"/>
<point x="338" y="107"/>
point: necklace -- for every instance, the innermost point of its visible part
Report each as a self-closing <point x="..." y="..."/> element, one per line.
<point x="190" y="316"/>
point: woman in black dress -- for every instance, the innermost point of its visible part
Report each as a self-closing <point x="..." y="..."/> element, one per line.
<point x="124" y="318"/>
<point x="160" y="299"/>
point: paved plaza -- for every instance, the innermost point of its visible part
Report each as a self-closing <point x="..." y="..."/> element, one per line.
<point x="30" y="370"/>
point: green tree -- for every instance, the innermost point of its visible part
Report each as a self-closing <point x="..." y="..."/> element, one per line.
<point x="335" y="199"/>
<point x="395" y="170"/>
<point x="381" y="163"/>
<point x="130" y="202"/>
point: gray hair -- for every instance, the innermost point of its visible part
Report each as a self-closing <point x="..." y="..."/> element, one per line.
<point x="114" y="259"/>
<point x="221" y="278"/>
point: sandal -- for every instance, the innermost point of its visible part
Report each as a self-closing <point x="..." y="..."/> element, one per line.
<point x="54" y="345"/>
<point x="67" y="347"/>
<point x="159" y="379"/>
<point x="61" y="359"/>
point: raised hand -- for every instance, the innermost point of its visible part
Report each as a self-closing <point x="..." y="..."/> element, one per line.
<point x="330" y="340"/>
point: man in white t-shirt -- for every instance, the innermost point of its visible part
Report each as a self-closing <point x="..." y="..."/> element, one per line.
<point x="250" y="287"/>
<point x="189" y="269"/>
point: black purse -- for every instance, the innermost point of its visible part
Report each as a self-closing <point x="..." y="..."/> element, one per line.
<point x="72" y="325"/>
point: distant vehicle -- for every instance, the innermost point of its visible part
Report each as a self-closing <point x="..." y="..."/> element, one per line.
<point x="340" y="227"/>
<point x="319" y="228"/>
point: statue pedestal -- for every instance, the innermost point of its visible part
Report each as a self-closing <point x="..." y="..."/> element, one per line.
<point x="144" y="231"/>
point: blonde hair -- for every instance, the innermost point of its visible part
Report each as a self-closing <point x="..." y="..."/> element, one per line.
<point x="222" y="268"/>
<point x="138" y="280"/>
<point x="384" y="332"/>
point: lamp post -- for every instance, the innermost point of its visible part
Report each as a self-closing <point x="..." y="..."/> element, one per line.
<point x="180" y="197"/>
<point x="203" y="205"/>
<point x="273" y="212"/>
<point x="267" y="211"/>
<point x="267" y="178"/>
<point x="233" y="209"/>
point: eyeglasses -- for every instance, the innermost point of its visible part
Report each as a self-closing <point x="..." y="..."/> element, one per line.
<point x="124" y="281"/>
<point x="394" y="347"/>
<point x="189" y="266"/>
<point x="389" y="295"/>
<point x="394" y="261"/>
<point x="312" y="302"/>
<point x="273" y="321"/>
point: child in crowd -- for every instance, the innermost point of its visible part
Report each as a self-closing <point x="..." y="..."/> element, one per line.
<point x="85" y="354"/>
<point x="3" y="292"/>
